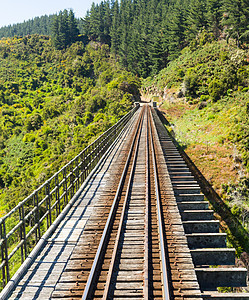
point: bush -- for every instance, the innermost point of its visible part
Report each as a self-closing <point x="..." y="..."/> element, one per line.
<point x="204" y="98"/>
<point x="215" y="89"/>
<point x="34" y="122"/>
<point x="191" y="83"/>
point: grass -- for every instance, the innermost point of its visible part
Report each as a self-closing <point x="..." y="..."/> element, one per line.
<point x="206" y="136"/>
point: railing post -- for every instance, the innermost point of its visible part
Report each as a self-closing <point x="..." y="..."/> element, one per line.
<point x="87" y="162"/>
<point x="57" y="196"/>
<point x="115" y="131"/>
<point x="82" y="167"/>
<point x="104" y="144"/>
<point x="34" y="203"/>
<point x="92" y="158"/>
<point x="98" y="154"/>
<point x="22" y="216"/>
<point x="65" y="186"/>
<point x="71" y="181"/>
<point x="77" y="174"/>
<point x="89" y="159"/>
<point x="4" y="254"/>
<point x="84" y="164"/>
<point x="21" y="235"/>
<point x="94" y="155"/>
<point x="37" y="215"/>
<point x="49" y="219"/>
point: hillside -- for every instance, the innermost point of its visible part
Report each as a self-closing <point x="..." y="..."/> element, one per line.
<point x="205" y="97"/>
<point x="146" y="35"/>
<point x="37" y="25"/>
<point x="52" y="104"/>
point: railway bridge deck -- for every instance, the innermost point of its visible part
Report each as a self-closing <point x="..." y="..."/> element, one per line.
<point x="137" y="228"/>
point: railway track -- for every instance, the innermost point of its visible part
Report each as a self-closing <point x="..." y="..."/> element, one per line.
<point x="149" y="237"/>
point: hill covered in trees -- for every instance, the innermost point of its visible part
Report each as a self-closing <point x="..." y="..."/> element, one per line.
<point x="146" y="35"/>
<point x="38" y="25"/>
<point x="52" y="104"/>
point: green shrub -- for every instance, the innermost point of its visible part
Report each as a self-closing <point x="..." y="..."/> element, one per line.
<point x="215" y="89"/>
<point x="191" y="83"/>
<point x="204" y="98"/>
<point x="34" y="122"/>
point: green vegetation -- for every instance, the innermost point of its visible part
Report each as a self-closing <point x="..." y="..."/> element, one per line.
<point x="213" y="71"/>
<point x="146" y="35"/>
<point x="204" y="95"/>
<point x="38" y="25"/>
<point x="64" y="29"/>
<point x="52" y="104"/>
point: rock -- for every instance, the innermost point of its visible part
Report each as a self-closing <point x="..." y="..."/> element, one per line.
<point x="180" y="94"/>
<point x="202" y="105"/>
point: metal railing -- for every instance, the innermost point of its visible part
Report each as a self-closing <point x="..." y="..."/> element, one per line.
<point x="24" y="225"/>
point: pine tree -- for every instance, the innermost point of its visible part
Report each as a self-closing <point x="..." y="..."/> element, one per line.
<point x="107" y="20"/>
<point x="236" y="20"/>
<point x="115" y="26"/>
<point x="72" y="27"/>
<point x="158" y="54"/>
<point x="55" y="33"/>
<point x="64" y="29"/>
<point x="176" y="25"/>
<point x="214" y="16"/>
<point x="196" y="18"/>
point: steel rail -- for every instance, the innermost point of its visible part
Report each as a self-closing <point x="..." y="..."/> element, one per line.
<point x="164" y="265"/>
<point x="104" y="239"/>
<point x="106" y="294"/>
<point x="146" y="286"/>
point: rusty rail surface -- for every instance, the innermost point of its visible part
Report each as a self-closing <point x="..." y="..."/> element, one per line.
<point x="163" y="256"/>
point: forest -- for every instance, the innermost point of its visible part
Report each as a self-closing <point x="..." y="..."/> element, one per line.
<point x="65" y="80"/>
<point x="145" y="35"/>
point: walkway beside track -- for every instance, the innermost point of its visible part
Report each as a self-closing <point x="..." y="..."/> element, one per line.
<point x="40" y="280"/>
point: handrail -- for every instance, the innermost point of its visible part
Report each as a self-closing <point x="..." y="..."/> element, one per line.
<point x="22" y="227"/>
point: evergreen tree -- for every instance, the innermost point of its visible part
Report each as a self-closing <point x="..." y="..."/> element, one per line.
<point x="73" y="27"/>
<point x="176" y="26"/>
<point x="158" y="54"/>
<point x="196" y="18"/>
<point x="115" y="26"/>
<point x="55" y="33"/>
<point x="236" y="19"/>
<point x="38" y="25"/>
<point x="64" y="29"/>
<point x="125" y="23"/>
<point x="214" y="16"/>
<point x="107" y="22"/>
<point x="144" y="34"/>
